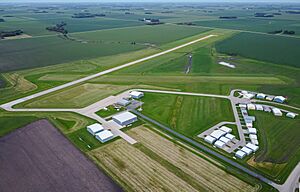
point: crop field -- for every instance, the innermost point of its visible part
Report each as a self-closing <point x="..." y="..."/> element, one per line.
<point x="39" y="152"/>
<point x="274" y="49"/>
<point x="276" y="155"/>
<point x="188" y="115"/>
<point x="158" y="164"/>
<point x="254" y="24"/>
<point x="43" y="51"/>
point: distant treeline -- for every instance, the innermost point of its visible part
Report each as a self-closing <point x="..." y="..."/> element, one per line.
<point x="228" y="17"/>
<point x="87" y="15"/>
<point x="4" y="34"/>
<point x="286" y="32"/>
<point x="263" y="15"/>
<point x="293" y="12"/>
<point x="60" y="28"/>
<point x="186" y="23"/>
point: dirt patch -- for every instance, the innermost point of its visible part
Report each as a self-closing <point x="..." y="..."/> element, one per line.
<point x="38" y="157"/>
<point x="24" y="36"/>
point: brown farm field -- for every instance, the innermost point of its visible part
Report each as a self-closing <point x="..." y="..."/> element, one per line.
<point x="38" y="157"/>
<point x="157" y="164"/>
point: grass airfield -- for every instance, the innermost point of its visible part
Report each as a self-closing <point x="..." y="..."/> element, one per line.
<point x="38" y="63"/>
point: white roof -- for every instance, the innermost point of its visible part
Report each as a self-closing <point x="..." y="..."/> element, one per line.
<point x="248" y="96"/>
<point x="230" y="136"/>
<point x="125" y="116"/>
<point x="259" y="107"/>
<point x="136" y="93"/>
<point x="252" y="136"/>
<point x="224" y="139"/>
<point x="244" y="92"/>
<point x="251" y="106"/>
<point x="219" y="144"/>
<point x="261" y="95"/>
<point x="247" y="150"/>
<point x="242" y="105"/>
<point x="277" y="111"/>
<point x="254" y="141"/>
<point x="252" y="147"/>
<point x="95" y="127"/>
<point x="104" y="135"/>
<point x="240" y="154"/>
<point x="290" y="114"/>
<point x="249" y="125"/>
<point x="280" y="98"/>
<point x="252" y="130"/>
<point x="226" y="129"/>
<point x="217" y="134"/>
<point x="210" y="139"/>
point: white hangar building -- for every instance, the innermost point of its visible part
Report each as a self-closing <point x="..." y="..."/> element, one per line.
<point x="125" y="118"/>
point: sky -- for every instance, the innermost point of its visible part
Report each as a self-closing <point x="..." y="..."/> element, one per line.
<point x="77" y="1"/>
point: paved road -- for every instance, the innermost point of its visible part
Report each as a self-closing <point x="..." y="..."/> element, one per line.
<point x="206" y="149"/>
<point x="8" y="106"/>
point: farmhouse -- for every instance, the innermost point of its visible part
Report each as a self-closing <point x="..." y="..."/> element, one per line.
<point x="210" y="139"/>
<point x="246" y="150"/>
<point x="229" y="136"/>
<point x="226" y="129"/>
<point x="217" y="134"/>
<point x="260" y="96"/>
<point x="125" y="118"/>
<point x="240" y="154"/>
<point x="224" y="140"/>
<point x="123" y="102"/>
<point x="251" y="106"/>
<point x="94" y="128"/>
<point x="219" y="144"/>
<point x="276" y="112"/>
<point x="136" y="94"/>
<point x="254" y="148"/>
<point x="291" y="115"/>
<point x="279" y="99"/>
<point x="104" y="136"/>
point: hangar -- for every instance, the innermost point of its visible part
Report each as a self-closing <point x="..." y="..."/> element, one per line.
<point x="276" y="112"/>
<point x="94" y="128"/>
<point x="279" y="99"/>
<point x="125" y="118"/>
<point x="240" y="154"/>
<point x="136" y="94"/>
<point x="217" y="134"/>
<point x="104" y="136"/>
<point x="210" y="139"/>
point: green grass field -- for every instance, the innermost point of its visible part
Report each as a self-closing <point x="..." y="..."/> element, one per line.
<point x="187" y="114"/>
<point x="254" y="24"/>
<point x="274" y="49"/>
<point x="279" y="144"/>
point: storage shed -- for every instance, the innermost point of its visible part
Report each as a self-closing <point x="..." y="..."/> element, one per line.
<point x="252" y="131"/>
<point x="240" y="154"/>
<point x="291" y="115"/>
<point x="276" y="112"/>
<point x="210" y="139"/>
<point x="219" y="144"/>
<point x="254" y="148"/>
<point x="247" y="150"/>
<point x="226" y="129"/>
<point x="250" y="106"/>
<point x="123" y="102"/>
<point x="217" y="134"/>
<point x="229" y="136"/>
<point x="125" y="118"/>
<point x="94" y="128"/>
<point x="260" y="96"/>
<point x="279" y="99"/>
<point x="104" y="136"/>
<point x="136" y="94"/>
<point x="224" y="140"/>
